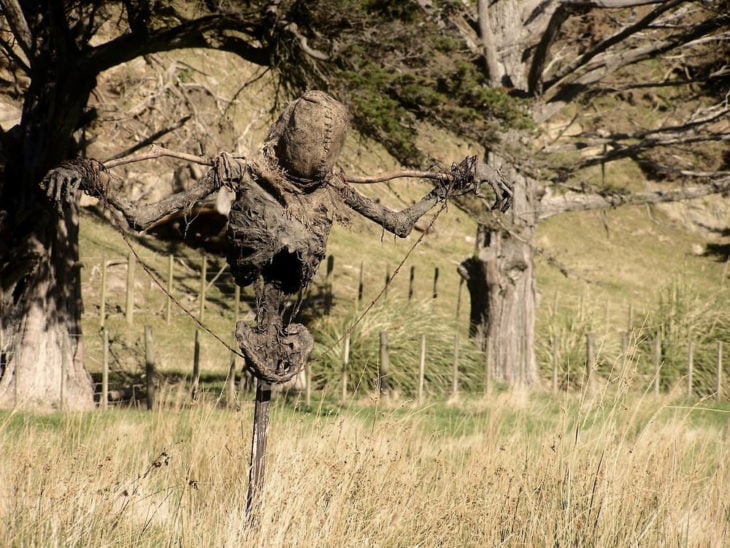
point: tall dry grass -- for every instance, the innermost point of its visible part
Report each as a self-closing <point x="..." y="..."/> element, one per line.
<point x="513" y="469"/>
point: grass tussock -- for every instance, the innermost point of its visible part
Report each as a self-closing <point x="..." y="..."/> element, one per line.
<point x="512" y="469"/>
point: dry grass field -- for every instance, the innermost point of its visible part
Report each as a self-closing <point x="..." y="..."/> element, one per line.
<point x="512" y="469"/>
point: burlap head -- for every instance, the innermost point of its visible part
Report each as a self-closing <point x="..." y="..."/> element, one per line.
<point x="308" y="136"/>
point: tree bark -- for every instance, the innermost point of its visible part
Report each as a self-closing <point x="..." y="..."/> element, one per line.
<point x="501" y="282"/>
<point x="41" y="359"/>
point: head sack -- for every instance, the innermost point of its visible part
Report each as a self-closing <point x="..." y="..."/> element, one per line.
<point x="308" y="137"/>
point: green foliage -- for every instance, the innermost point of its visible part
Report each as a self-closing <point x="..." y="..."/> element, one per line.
<point x="682" y="316"/>
<point x="394" y="66"/>
<point x="404" y="323"/>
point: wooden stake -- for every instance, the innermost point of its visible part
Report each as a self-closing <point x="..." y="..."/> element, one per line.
<point x="361" y="284"/>
<point x="345" y="364"/>
<point x="196" y="366"/>
<point x="411" y="281"/>
<point x="104" y="369"/>
<point x="383" y="382"/>
<point x="131" y="261"/>
<point x="149" y="358"/>
<point x="422" y="369"/>
<point x="455" y="375"/>
<point x="258" y="449"/>
<point x="435" y="282"/>
<point x="590" y="357"/>
<point x="203" y="286"/>
<point x="170" y="273"/>
<point x="102" y="306"/>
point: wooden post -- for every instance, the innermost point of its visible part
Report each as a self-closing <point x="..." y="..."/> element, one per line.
<point x="131" y="261"/>
<point x="345" y="364"/>
<point x="624" y="345"/>
<point x="383" y="381"/>
<point x="196" y="366"/>
<point x="258" y="449"/>
<point x="203" y="286"/>
<point x="719" y="370"/>
<point x="328" y="284"/>
<point x="361" y="284"/>
<point x="455" y="370"/>
<point x="657" y="362"/>
<point x="308" y="384"/>
<point x="411" y="281"/>
<point x="104" y="369"/>
<point x="590" y="357"/>
<point x="231" y="384"/>
<point x="421" y="369"/>
<point x="458" y="298"/>
<point x="690" y="367"/>
<point x="435" y="282"/>
<point x="102" y="305"/>
<point x="170" y="273"/>
<point x="149" y="358"/>
<point x="630" y="323"/>
<point x="387" y="281"/>
<point x="556" y="363"/>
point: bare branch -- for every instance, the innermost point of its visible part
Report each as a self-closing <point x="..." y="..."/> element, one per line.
<point x="304" y="45"/>
<point x="189" y="34"/>
<point x="402" y="174"/>
<point x="603" y="45"/>
<point x="157" y="152"/>
<point x="552" y="204"/>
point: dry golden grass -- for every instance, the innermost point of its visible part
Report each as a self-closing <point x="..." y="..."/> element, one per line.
<point x="513" y="469"/>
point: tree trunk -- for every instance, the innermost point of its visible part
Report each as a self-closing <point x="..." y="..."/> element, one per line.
<point x="41" y="352"/>
<point x="501" y="282"/>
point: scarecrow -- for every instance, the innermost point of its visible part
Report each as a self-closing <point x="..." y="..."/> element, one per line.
<point x="287" y="197"/>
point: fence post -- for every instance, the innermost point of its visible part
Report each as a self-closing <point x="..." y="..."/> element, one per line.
<point x="657" y="362"/>
<point x="149" y="358"/>
<point x="131" y="261"/>
<point x="345" y="364"/>
<point x="411" y="280"/>
<point x="421" y="369"/>
<point x="104" y="368"/>
<point x="690" y="366"/>
<point x="458" y="298"/>
<point x="455" y="374"/>
<point x="170" y="271"/>
<point x="387" y="281"/>
<point x="231" y="397"/>
<point x="361" y="284"/>
<point x="383" y="381"/>
<point x="102" y="305"/>
<point x="196" y="366"/>
<point x="435" y="282"/>
<point x="203" y="286"/>
<point x="307" y="383"/>
<point x="555" y="364"/>
<point x="328" y="284"/>
<point x="719" y="370"/>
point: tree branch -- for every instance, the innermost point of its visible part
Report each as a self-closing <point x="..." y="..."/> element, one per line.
<point x="552" y="204"/>
<point x="189" y="34"/>
<point x="602" y="46"/>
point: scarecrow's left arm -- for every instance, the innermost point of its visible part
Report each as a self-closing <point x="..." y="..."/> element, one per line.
<point x="463" y="178"/>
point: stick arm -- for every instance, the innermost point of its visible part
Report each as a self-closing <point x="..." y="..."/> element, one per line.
<point x="92" y="177"/>
<point x="400" y="223"/>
